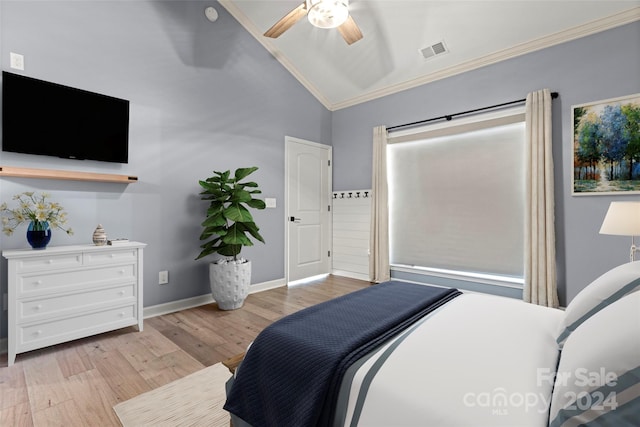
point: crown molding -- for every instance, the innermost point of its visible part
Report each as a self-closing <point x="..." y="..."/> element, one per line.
<point x="593" y="27"/>
<point x="574" y="33"/>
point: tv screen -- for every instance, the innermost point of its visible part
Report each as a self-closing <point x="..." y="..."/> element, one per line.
<point x="40" y="117"/>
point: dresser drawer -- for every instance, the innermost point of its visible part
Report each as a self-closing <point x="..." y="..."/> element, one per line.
<point x="63" y="293"/>
<point x="59" y="305"/>
<point x="38" y="335"/>
<point x="45" y="283"/>
<point x="110" y="257"/>
<point x="48" y="263"/>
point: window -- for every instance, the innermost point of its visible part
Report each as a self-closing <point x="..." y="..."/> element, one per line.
<point x="456" y="197"/>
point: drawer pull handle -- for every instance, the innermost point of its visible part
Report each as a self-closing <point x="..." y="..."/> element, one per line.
<point x="121" y="293"/>
<point x="38" y="282"/>
<point x="121" y="271"/>
<point x="38" y="332"/>
<point x="121" y="314"/>
<point x="38" y="307"/>
<point x="50" y="261"/>
<point x="113" y="255"/>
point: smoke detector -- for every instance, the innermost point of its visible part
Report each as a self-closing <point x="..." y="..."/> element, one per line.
<point x="434" y="50"/>
<point x="211" y="14"/>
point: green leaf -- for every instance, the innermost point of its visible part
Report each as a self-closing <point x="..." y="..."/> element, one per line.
<point x="214" y="207"/>
<point x="208" y="248"/>
<point x="208" y="186"/>
<point x="215" y="220"/>
<point x="256" y="203"/>
<point x="236" y="236"/>
<point x="252" y="228"/>
<point x="220" y="231"/>
<point x="230" y="250"/>
<point x="237" y="239"/>
<point x="242" y="173"/>
<point x="206" y="234"/>
<point x="240" y="196"/>
<point x="237" y="212"/>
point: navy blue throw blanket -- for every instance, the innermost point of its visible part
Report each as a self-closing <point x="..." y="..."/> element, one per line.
<point x="291" y="374"/>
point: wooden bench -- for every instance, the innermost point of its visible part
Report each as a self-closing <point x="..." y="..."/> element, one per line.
<point x="233" y="362"/>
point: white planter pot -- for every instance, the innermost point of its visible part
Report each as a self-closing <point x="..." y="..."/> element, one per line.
<point x="230" y="283"/>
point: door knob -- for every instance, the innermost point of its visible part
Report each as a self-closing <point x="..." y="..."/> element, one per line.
<point x="294" y="219"/>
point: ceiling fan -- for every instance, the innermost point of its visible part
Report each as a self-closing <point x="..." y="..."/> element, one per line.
<point x="322" y="14"/>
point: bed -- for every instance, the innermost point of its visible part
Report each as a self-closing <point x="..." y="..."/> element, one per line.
<point x="455" y="359"/>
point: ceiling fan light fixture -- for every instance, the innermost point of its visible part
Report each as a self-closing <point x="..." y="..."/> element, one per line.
<point x="327" y="13"/>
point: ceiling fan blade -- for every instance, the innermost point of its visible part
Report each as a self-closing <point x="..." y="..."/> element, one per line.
<point x="287" y="22"/>
<point x="350" y="31"/>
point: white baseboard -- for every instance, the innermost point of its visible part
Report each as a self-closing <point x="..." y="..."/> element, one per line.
<point x="184" y="304"/>
<point x="173" y="306"/>
<point x="350" y="274"/>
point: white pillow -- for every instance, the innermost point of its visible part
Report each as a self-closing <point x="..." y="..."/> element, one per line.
<point x="598" y="377"/>
<point x="605" y="290"/>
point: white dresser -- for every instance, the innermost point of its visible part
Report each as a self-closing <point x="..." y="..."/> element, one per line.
<point x="67" y="292"/>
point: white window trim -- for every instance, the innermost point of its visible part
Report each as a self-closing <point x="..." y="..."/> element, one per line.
<point x="487" y="279"/>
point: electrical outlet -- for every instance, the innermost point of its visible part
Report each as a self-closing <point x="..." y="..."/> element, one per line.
<point x="16" y="61"/>
<point x="163" y="277"/>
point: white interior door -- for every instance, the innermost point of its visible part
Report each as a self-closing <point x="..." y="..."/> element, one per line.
<point x="308" y="192"/>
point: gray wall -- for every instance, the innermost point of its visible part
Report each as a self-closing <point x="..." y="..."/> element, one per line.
<point x="600" y="66"/>
<point x="208" y="96"/>
<point x="204" y="96"/>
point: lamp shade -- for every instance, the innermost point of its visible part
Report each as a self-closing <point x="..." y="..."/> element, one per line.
<point x="622" y="219"/>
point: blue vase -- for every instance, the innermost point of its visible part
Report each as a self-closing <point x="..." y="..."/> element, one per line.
<point x="38" y="234"/>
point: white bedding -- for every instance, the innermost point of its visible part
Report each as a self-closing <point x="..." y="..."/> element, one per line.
<point x="478" y="361"/>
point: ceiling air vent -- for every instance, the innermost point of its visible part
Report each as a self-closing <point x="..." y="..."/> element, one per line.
<point x="434" y="50"/>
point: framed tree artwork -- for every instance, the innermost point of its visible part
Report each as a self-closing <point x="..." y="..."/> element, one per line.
<point x="606" y="146"/>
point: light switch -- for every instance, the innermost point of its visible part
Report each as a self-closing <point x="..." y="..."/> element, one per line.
<point x="270" y="202"/>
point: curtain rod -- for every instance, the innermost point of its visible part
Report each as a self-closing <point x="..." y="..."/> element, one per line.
<point x="448" y="117"/>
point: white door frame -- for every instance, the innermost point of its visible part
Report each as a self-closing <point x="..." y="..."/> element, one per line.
<point x="292" y="140"/>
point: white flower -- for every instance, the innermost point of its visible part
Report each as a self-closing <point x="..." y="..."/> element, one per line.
<point x="35" y="208"/>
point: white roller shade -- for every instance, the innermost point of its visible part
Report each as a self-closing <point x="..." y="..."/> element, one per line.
<point x="456" y="202"/>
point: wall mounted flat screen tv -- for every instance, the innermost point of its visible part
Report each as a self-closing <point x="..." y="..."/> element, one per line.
<point x="40" y="117"/>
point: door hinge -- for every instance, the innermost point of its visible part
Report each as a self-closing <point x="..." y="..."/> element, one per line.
<point x="329" y="254"/>
<point x="329" y="208"/>
<point x="328" y="162"/>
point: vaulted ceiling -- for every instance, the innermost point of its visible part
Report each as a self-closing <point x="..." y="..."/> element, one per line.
<point x="390" y="56"/>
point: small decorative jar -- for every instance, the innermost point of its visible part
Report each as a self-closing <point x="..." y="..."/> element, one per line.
<point x="99" y="236"/>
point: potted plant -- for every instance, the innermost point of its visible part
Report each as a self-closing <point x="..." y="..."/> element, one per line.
<point x="228" y="227"/>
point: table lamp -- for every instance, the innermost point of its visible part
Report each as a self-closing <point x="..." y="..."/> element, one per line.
<point x="623" y="219"/>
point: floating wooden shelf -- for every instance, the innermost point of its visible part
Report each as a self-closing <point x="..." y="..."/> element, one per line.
<point x="66" y="175"/>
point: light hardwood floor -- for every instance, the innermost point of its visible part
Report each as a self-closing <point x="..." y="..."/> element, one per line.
<point x="78" y="383"/>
